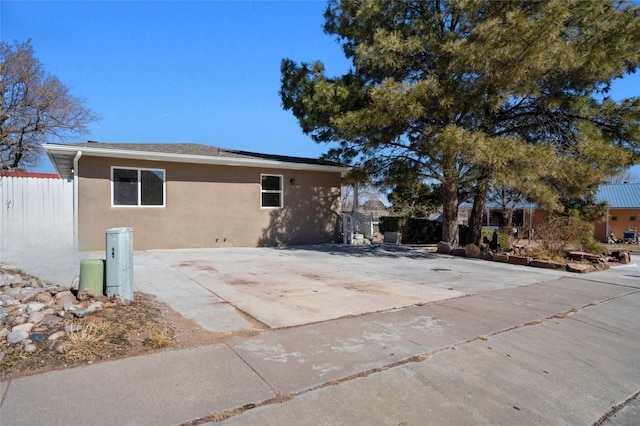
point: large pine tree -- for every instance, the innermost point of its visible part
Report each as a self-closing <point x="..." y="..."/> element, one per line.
<point x="468" y="92"/>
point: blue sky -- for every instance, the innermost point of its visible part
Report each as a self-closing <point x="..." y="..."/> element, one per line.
<point x="205" y="72"/>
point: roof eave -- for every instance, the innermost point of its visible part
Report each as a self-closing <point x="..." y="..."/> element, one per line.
<point x="55" y="164"/>
<point x="53" y="149"/>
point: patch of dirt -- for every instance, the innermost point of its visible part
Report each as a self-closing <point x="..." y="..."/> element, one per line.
<point x="141" y="326"/>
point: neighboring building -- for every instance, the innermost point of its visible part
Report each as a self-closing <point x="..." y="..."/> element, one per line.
<point x="192" y="196"/>
<point x="623" y="210"/>
<point x="523" y="215"/>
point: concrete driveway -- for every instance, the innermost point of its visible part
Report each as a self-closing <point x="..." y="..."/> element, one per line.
<point x="526" y="346"/>
<point x="233" y="289"/>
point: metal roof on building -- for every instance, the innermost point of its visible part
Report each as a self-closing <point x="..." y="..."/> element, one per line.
<point x="620" y="196"/>
<point x="491" y="205"/>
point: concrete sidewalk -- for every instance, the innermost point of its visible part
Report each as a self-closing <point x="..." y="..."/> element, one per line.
<point x="560" y="350"/>
<point x="562" y="370"/>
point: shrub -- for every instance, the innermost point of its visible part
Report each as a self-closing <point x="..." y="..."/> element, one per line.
<point x="504" y="239"/>
<point x="389" y="224"/>
<point x="556" y="232"/>
<point x="414" y="230"/>
<point x="591" y="245"/>
<point x="420" y="231"/>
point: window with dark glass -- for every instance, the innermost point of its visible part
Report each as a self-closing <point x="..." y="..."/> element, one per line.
<point x="271" y="191"/>
<point x="137" y="187"/>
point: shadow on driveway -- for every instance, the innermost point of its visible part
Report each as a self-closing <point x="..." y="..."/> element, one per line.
<point x="391" y="251"/>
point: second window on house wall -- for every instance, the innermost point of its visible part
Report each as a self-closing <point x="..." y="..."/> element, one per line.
<point x="137" y="187"/>
<point x="271" y="191"/>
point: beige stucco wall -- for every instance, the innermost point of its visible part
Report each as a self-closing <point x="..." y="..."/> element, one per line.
<point x="622" y="223"/>
<point x="619" y="226"/>
<point x="209" y="206"/>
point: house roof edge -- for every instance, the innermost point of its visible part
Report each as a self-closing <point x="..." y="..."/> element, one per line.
<point x="62" y="154"/>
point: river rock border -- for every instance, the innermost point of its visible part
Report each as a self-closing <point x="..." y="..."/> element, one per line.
<point x="38" y="315"/>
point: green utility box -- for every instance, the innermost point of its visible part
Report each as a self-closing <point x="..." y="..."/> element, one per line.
<point x="92" y="275"/>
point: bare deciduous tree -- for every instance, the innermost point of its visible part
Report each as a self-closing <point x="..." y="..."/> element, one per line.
<point x="624" y="177"/>
<point x="369" y="195"/>
<point x="34" y="107"/>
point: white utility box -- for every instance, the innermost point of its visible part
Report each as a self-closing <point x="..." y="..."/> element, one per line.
<point x="119" y="263"/>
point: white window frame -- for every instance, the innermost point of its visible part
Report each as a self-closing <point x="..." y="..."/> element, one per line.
<point x="140" y="205"/>
<point x="271" y="191"/>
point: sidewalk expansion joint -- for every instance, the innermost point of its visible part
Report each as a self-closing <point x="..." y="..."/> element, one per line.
<point x="597" y="326"/>
<point x="4" y="394"/>
<point x="595" y="280"/>
<point x="283" y="396"/>
<point x="250" y="318"/>
<point x="252" y="369"/>
<point x="366" y="373"/>
<point x="606" y="416"/>
<point x="223" y="415"/>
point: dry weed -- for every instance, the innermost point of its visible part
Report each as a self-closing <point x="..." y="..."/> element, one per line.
<point x="116" y="331"/>
<point x="556" y="233"/>
<point x="13" y="358"/>
<point x="85" y="345"/>
<point x="160" y="339"/>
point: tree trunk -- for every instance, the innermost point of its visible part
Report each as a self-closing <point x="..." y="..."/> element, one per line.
<point x="450" y="232"/>
<point x="509" y="219"/>
<point x="16" y="160"/>
<point x="475" y="219"/>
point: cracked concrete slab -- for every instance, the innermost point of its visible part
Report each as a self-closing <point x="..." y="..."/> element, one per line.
<point x="284" y="288"/>
<point x="561" y="371"/>
<point x="152" y="276"/>
<point x="558" y="295"/>
<point x="615" y="317"/>
<point x="301" y="358"/>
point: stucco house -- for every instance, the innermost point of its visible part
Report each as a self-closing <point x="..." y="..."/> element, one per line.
<point x="623" y="210"/>
<point x="193" y="196"/>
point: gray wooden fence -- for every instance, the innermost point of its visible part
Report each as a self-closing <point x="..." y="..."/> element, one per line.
<point x="36" y="215"/>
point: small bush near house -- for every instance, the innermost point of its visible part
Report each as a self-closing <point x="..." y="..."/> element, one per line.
<point x="591" y="245"/>
<point x="389" y="224"/>
<point x="556" y="233"/>
<point x="414" y="230"/>
<point x="422" y="231"/>
<point x="504" y="239"/>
